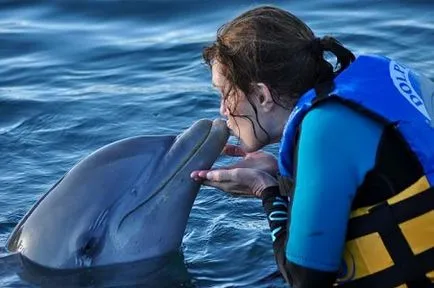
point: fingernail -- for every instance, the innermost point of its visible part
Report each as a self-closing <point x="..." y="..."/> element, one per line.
<point x="202" y="174"/>
<point x="209" y="175"/>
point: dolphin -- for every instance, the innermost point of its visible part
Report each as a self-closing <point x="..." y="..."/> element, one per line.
<point x="127" y="201"/>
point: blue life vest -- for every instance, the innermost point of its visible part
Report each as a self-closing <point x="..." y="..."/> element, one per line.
<point x="396" y="95"/>
<point x="387" y="90"/>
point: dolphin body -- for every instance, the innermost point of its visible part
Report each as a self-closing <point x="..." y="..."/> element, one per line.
<point x="128" y="201"/>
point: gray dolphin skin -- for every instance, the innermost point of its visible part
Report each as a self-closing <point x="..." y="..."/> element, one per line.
<point x="128" y="201"/>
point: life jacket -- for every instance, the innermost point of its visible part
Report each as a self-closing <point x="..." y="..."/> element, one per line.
<point x="390" y="243"/>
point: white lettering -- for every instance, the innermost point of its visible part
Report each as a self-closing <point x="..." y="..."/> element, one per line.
<point x="415" y="100"/>
<point x="396" y="67"/>
<point x="399" y="75"/>
<point x="404" y="87"/>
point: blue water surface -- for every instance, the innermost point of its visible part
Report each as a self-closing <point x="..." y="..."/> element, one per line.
<point x="76" y="75"/>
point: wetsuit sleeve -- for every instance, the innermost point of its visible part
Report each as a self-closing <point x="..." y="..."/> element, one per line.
<point x="336" y="148"/>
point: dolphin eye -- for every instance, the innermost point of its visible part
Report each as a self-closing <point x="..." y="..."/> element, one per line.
<point x="91" y="242"/>
<point x="88" y="248"/>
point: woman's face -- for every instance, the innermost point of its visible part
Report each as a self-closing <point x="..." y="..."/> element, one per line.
<point x="237" y="102"/>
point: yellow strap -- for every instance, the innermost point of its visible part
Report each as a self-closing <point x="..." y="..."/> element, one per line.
<point x="419" y="232"/>
<point x="364" y="256"/>
<point x="430" y="276"/>
<point x="419" y="186"/>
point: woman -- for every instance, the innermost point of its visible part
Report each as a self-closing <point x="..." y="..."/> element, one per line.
<point x="349" y="200"/>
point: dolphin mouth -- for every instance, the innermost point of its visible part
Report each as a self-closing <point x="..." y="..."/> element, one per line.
<point x="216" y="124"/>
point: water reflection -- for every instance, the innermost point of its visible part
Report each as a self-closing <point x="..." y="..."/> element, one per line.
<point x="166" y="271"/>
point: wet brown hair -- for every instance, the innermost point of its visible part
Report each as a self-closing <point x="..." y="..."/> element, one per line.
<point x="272" y="46"/>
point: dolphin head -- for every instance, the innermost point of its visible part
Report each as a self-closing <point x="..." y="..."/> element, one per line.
<point x="128" y="201"/>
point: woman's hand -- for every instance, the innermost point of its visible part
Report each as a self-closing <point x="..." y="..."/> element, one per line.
<point x="259" y="160"/>
<point x="242" y="181"/>
<point x="250" y="176"/>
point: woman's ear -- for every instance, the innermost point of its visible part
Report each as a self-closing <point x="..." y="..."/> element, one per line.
<point x="264" y="97"/>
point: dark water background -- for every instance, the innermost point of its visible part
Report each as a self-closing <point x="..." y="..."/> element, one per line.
<point x="77" y="75"/>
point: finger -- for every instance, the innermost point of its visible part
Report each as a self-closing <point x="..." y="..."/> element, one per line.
<point x="227" y="187"/>
<point x="199" y="174"/>
<point x="233" y="150"/>
<point x="194" y="174"/>
<point x="217" y="185"/>
<point x="219" y="175"/>
<point x="197" y="179"/>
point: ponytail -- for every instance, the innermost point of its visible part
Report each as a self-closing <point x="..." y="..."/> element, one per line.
<point x="324" y="70"/>
<point x="344" y="56"/>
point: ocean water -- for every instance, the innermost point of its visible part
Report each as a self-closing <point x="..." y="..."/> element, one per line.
<point x="77" y="75"/>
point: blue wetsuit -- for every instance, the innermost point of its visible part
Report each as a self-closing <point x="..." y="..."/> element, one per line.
<point x="337" y="147"/>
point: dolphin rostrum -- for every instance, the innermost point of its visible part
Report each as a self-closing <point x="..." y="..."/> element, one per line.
<point x="128" y="201"/>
